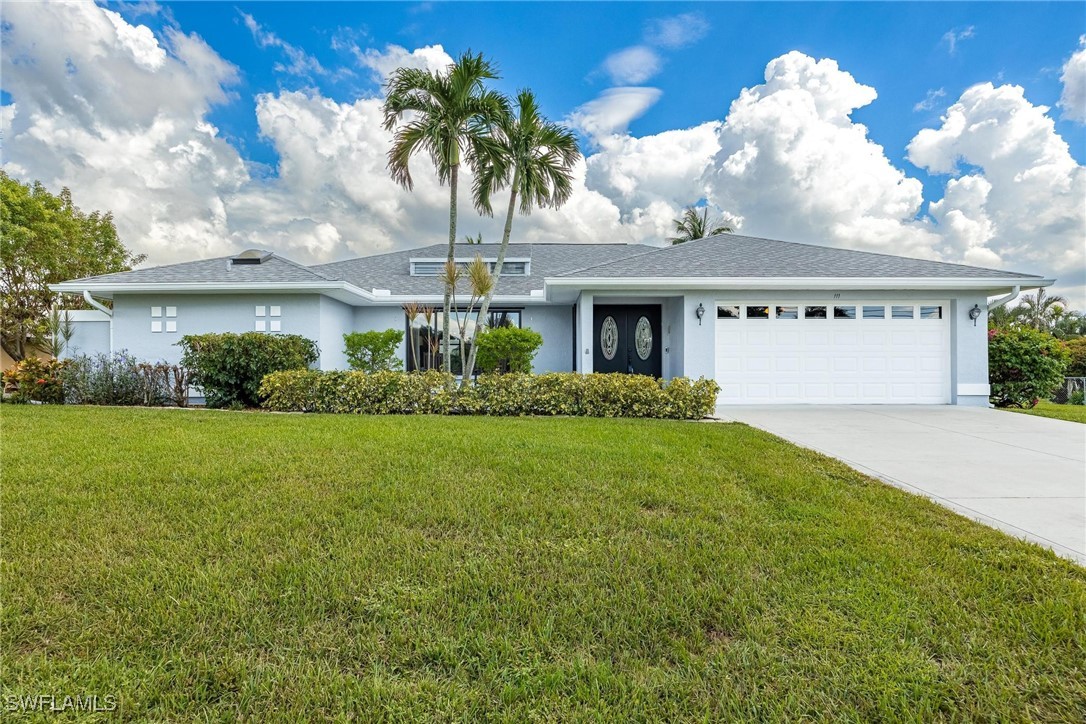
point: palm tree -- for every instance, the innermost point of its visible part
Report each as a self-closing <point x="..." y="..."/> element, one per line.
<point x="1042" y="311"/>
<point x="540" y="156"/>
<point x="1003" y="316"/>
<point x="451" y="114"/>
<point x="697" y="226"/>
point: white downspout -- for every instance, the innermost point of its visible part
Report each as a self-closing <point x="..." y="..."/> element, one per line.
<point x="1003" y="300"/>
<point x="105" y="310"/>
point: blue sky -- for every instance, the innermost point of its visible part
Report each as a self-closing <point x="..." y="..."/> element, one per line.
<point x="951" y="131"/>
<point x="556" y="49"/>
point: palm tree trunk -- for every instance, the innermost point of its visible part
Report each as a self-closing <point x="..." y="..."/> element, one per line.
<point x="446" y="362"/>
<point x="485" y="308"/>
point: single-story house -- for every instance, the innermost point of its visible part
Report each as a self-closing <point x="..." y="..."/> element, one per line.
<point x="771" y="321"/>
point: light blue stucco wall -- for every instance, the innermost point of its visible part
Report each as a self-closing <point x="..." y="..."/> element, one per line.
<point x="90" y="333"/>
<point x="203" y="313"/>
<point x="336" y="320"/>
<point x="555" y="323"/>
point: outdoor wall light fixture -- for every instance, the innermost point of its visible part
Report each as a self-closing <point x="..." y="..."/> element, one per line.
<point x="974" y="314"/>
<point x="699" y="312"/>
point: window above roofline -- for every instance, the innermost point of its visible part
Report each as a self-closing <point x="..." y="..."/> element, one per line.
<point x="432" y="266"/>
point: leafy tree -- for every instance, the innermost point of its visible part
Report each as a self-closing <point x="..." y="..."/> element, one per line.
<point x="373" y="351"/>
<point x="507" y="349"/>
<point x="693" y="225"/>
<point x="1077" y="349"/>
<point x="539" y="156"/>
<point x="1024" y="365"/>
<point x="46" y="239"/>
<point x="451" y="114"/>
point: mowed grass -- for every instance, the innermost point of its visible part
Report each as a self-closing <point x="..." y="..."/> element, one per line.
<point x="214" y="565"/>
<point x="1044" y="408"/>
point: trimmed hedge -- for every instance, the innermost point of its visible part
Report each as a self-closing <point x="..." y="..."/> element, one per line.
<point x="557" y="393"/>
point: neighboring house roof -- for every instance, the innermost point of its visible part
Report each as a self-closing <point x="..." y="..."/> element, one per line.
<point x="392" y="271"/>
<point x="730" y="256"/>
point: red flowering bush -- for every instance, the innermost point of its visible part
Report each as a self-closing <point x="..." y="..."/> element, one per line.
<point x="35" y="380"/>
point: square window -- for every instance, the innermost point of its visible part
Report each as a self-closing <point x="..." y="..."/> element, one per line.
<point x="933" y="312"/>
<point x="899" y="311"/>
<point x="758" y="312"/>
<point x="814" y="312"/>
<point x="260" y="325"/>
<point x="171" y="311"/>
<point x="275" y="325"/>
<point x="260" y="310"/>
<point x="787" y="312"/>
<point x="874" y="312"/>
<point x="275" y="311"/>
<point x="844" y="312"/>
<point x="171" y="325"/>
<point x="156" y="326"/>
<point x="156" y="311"/>
<point x="727" y="311"/>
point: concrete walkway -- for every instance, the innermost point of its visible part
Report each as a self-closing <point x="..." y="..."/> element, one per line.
<point x="1022" y="474"/>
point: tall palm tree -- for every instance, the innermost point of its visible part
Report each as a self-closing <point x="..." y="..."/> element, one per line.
<point x="693" y="225"/>
<point x="450" y="116"/>
<point x="1042" y="311"/>
<point x="539" y="155"/>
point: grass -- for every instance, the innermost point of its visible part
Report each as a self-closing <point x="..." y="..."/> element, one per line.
<point x="213" y="565"/>
<point x="1044" y="408"/>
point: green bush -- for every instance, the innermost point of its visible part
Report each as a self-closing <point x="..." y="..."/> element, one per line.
<point x="1024" y="365"/>
<point x="373" y="351"/>
<point x="559" y="393"/>
<point x="1077" y="349"/>
<point x="35" y="380"/>
<point x="507" y="349"/>
<point x="108" y="379"/>
<point x="229" y="367"/>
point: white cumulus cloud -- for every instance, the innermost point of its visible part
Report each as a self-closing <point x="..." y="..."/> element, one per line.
<point x="1073" y="77"/>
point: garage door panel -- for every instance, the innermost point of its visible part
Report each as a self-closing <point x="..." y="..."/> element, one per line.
<point x="858" y="360"/>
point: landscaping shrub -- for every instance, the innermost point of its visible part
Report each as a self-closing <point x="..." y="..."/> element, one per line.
<point x="1077" y="349"/>
<point x="559" y="393"/>
<point x="507" y="349"/>
<point x="35" y="380"/>
<point x="373" y="351"/>
<point x="229" y="367"/>
<point x="106" y="379"/>
<point x="1024" y="365"/>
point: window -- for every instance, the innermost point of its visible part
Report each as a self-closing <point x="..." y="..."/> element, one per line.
<point x="901" y="311"/>
<point x="814" y="312"/>
<point x="844" y="312"/>
<point x="727" y="311"/>
<point x="425" y="337"/>
<point x="157" y="325"/>
<point x="934" y="312"/>
<point x="758" y="312"/>
<point x="434" y="267"/>
<point x="787" y="312"/>
<point x="262" y="323"/>
<point x="874" y="312"/>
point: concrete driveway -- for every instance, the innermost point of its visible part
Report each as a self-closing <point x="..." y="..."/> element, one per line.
<point x="1022" y="474"/>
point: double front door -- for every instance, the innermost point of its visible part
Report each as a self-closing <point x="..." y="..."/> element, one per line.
<point x="627" y="339"/>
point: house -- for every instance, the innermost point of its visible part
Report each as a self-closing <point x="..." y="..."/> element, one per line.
<point x="771" y="321"/>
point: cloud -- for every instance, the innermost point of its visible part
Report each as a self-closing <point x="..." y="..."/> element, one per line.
<point x="431" y="57"/>
<point x="633" y="65"/>
<point x="298" y="62"/>
<point x="954" y="36"/>
<point x="1073" y="99"/>
<point x="931" y="99"/>
<point x="613" y="111"/>
<point x="676" y="31"/>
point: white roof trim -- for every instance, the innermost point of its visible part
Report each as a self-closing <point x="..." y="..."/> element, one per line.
<point x="725" y="283"/>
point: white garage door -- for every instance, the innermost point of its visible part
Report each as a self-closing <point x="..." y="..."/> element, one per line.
<point x="833" y="353"/>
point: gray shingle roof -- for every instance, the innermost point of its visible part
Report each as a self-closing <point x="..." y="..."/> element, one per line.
<point x="733" y="255"/>
<point x="220" y="270"/>
<point x="392" y="271"/>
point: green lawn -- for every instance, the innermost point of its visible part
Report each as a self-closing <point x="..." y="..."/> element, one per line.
<point x="214" y="565"/>
<point x="1044" y="408"/>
